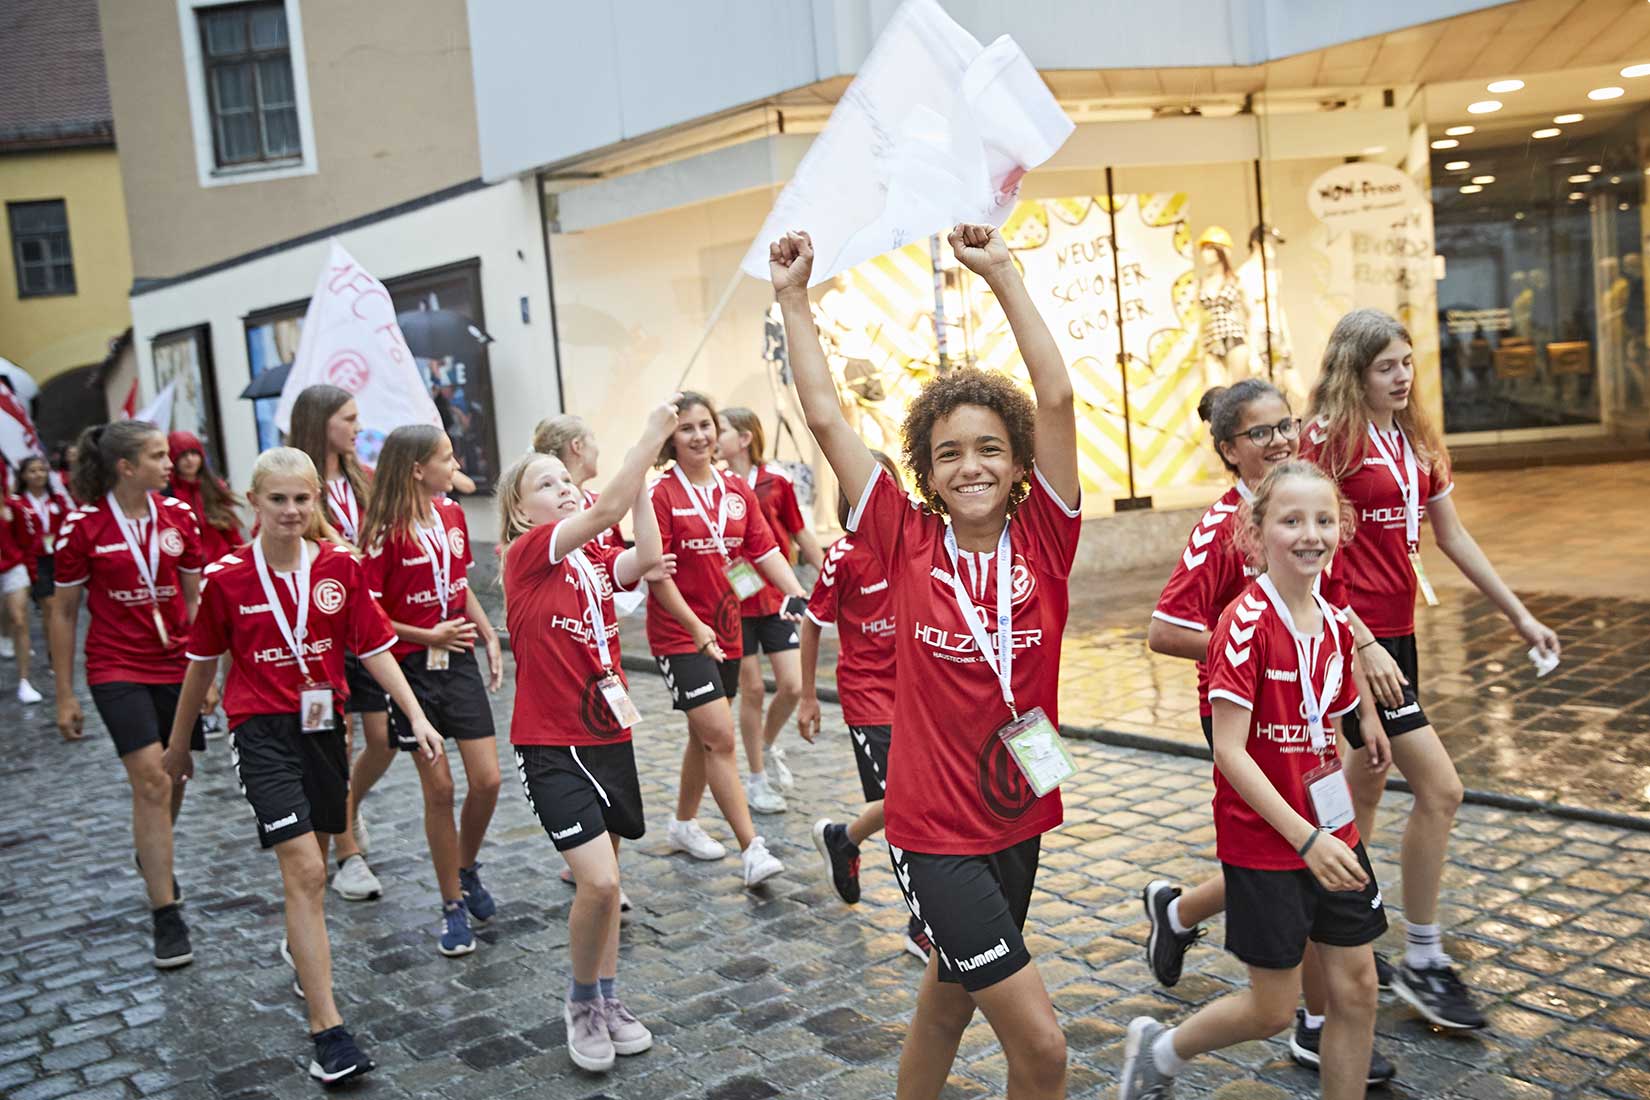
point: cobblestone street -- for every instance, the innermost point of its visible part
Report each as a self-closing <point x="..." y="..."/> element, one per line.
<point x="781" y="992"/>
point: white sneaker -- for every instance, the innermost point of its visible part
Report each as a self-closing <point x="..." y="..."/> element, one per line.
<point x="686" y="836"/>
<point x="760" y="864"/>
<point x="26" y="693"/>
<point x="213" y="727"/>
<point x="361" y="838"/>
<point x="8" y="648"/>
<point x="774" y="758"/>
<point x="762" y="798"/>
<point x="355" y="881"/>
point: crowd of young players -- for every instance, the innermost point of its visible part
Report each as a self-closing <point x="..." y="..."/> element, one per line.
<point x="1295" y="596"/>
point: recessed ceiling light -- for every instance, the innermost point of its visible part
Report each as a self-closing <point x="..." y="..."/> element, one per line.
<point x="1576" y="196"/>
<point x="1549" y="132"/>
<point x="1483" y="179"/>
<point x="1565" y="120"/>
<point x="1580" y="177"/>
<point x="1615" y="179"/>
<point x="1602" y="93"/>
<point x="1486" y="106"/>
<point x="1509" y="86"/>
<point x="1636" y="70"/>
<point x="1471" y="189"/>
<point x="1460" y="131"/>
<point x="1518" y="217"/>
<point x="1445" y="143"/>
<point x="1595" y="168"/>
<point x="1458" y="166"/>
<point x="1373" y="150"/>
<point x="1621" y="206"/>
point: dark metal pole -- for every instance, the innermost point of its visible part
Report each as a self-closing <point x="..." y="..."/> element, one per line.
<point x="1122" y="352"/>
<point x="550" y="287"/>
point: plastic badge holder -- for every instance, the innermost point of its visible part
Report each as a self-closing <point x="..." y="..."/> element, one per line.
<point x="436" y="659"/>
<point x="1427" y="592"/>
<point x="315" y="708"/>
<point x="619" y="701"/>
<point x="745" y="580"/>
<point x="1036" y="747"/>
<point x="1331" y="797"/>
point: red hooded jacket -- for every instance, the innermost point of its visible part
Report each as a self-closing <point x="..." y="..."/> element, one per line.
<point x="215" y="541"/>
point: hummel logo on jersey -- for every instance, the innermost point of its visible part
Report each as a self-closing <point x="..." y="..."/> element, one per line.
<point x="937" y="573"/>
<point x="254" y="609"/>
<point x="867" y="589"/>
<point x="420" y="560"/>
<point x="572" y="830"/>
<point x="698" y="691"/>
<point x="1374" y="462"/>
<point x="110" y="548"/>
<point x="684" y="511"/>
<point x="1288" y="676"/>
<point x="990" y="955"/>
<point x="280" y="823"/>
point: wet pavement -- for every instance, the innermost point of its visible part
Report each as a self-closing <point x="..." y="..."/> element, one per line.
<point x="778" y="992"/>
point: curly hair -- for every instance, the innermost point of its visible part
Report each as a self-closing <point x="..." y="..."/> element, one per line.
<point x="949" y="392"/>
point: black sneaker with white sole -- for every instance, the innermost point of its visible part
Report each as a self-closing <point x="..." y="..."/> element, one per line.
<point x="1303" y="1048"/>
<point x="1383" y="973"/>
<point x="1440" y="995"/>
<point x="337" y="1057"/>
<point x="1165" y="948"/>
<point x="172" y="948"/>
<point x="841" y="857"/>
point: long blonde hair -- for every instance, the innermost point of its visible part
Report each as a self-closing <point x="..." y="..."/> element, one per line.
<point x="291" y="462"/>
<point x="393" y="508"/>
<point x="557" y="433"/>
<point x="1338" y="405"/>
<point x="510" y="525"/>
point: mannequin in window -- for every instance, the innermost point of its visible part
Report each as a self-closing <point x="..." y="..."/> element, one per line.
<point x="1225" y="314"/>
<point x="1273" y="354"/>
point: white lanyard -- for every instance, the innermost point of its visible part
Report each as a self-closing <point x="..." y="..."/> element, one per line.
<point x="1246" y="494"/>
<point x="1305" y="650"/>
<point x="593" y="591"/>
<point x="148" y="567"/>
<point x="1408" y="484"/>
<point x="43" y="509"/>
<point x="442" y="573"/>
<point x="291" y="633"/>
<point x="754" y="476"/>
<point x="721" y="523"/>
<point x="1000" y="656"/>
<point x="346" y="507"/>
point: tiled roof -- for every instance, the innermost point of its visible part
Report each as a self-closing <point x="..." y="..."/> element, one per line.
<point x="53" y="87"/>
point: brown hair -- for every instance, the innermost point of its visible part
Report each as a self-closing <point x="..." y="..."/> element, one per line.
<point x="291" y="462"/>
<point x="1253" y="513"/>
<point x="100" y="449"/>
<point x="969" y="386"/>
<point x="844" y="506"/>
<point x="557" y="433"/>
<point x="1226" y="408"/>
<point x="1338" y="399"/>
<point x="393" y="508"/>
<point x="686" y="401"/>
<point x="311" y="410"/>
<point x="742" y="419"/>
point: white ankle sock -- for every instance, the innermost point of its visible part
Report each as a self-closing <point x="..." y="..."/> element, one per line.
<point x="1424" y="945"/>
<point x="1174" y="918"/>
<point x="1314" y="1023"/>
<point x="1168" y="1062"/>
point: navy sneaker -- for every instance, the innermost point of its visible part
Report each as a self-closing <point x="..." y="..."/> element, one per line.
<point x="476" y="898"/>
<point x="1303" y="1048"/>
<point x="337" y="1057"/>
<point x="1438" y="993"/>
<point x="1165" y="948"/>
<point x="841" y="857"/>
<point x="455" y="935"/>
<point x="172" y="948"/>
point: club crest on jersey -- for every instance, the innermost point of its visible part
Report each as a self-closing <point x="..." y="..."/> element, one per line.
<point x="328" y="595"/>
<point x="455" y="539"/>
<point x="1003" y="786"/>
<point x="171" y="542"/>
<point x="736" y="506"/>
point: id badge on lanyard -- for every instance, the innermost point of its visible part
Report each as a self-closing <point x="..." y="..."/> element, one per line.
<point x="612" y="688"/>
<point x="1031" y="738"/>
<point x="1330" y="796"/>
<point x="1409" y="487"/>
<point x="1326" y="786"/>
<point x="742" y="576"/>
<point x="438" y="658"/>
<point x="315" y="714"/>
<point x="148" y="564"/>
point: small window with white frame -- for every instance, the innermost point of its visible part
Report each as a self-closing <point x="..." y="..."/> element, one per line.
<point x="247" y="60"/>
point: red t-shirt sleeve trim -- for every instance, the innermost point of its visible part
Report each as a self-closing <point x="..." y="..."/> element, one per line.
<point x="1352" y="706"/>
<point x="816" y="620"/>
<point x="1187" y="623"/>
<point x="1231" y="697"/>
<point x="1442" y="493"/>
<point x="204" y="656"/>
<point x="1070" y="512"/>
<point x="858" y="513"/>
<point x="381" y="649"/>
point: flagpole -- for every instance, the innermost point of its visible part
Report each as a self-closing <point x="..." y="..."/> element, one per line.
<point x="715" y="316"/>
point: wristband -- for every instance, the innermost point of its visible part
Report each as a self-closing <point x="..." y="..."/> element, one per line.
<point x="1311" y="840"/>
<point x="1367" y="644"/>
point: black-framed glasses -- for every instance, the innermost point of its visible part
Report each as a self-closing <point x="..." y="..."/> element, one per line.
<point x="1261" y="434"/>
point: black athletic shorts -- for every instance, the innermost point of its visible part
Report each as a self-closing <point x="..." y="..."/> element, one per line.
<point x="972" y="908"/>
<point x="365" y="696"/>
<point x="139" y="715"/>
<point x="1208" y="721"/>
<point x="297" y="782"/>
<point x="580" y="792"/>
<point x="455" y="701"/>
<point x="1408" y="715"/>
<point x="45" y="577"/>
<point x="871" y="754"/>
<point x="769" y="633"/>
<point x="1271" y="914"/>
<point x="695" y="679"/>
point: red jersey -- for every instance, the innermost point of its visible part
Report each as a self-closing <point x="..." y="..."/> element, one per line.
<point x="953" y="788"/>
<point x="344" y="509"/>
<point x="22" y="541"/>
<point x="612" y="537"/>
<point x="777" y="496"/>
<point x="1253" y="663"/>
<point x="122" y="644"/>
<point x="49" y="513"/>
<point x="700" y="563"/>
<point x="403" y="573"/>
<point x="852" y="592"/>
<point x="215" y="541"/>
<point x="1371" y="573"/>
<point x="235" y="618"/>
<point x="1210" y="574"/>
<point x="548" y="612"/>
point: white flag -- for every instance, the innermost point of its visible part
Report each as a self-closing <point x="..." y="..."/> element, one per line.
<point x="934" y="130"/>
<point x="351" y="340"/>
<point x="159" y="411"/>
<point x="18" y="439"/>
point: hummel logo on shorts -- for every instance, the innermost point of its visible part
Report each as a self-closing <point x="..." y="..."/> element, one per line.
<point x="700" y="690"/>
<point x="280" y="823"/>
<point x="573" y="830"/>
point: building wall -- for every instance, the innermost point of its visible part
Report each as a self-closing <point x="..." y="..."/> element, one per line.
<point x="394" y="119"/>
<point x="50" y="335"/>
<point x="498" y="225"/>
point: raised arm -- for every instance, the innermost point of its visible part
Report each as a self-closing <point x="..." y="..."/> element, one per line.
<point x="790" y="261"/>
<point x="622" y="491"/>
<point x="638" y="561"/>
<point x="981" y="249"/>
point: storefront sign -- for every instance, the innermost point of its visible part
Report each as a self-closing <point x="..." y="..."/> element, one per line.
<point x="1464" y="322"/>
<point x="1361" y="196"/>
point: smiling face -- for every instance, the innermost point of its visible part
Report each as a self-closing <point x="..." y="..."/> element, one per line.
<point x="436" y="475"/>
<point x="285" y="504"/>
<point x="153" y="466"/>
<point x="694" y="440"/>
<point x="1301" y="528"/>
<point x="342" y="428"/>
<point x="188" y="465"/>
<point x="1389" y="378"/>
<point x="1254" y="461"/>
<point x="547" y="491"/>
<point x="35" y="476"/>
<point x="973" y="464"/>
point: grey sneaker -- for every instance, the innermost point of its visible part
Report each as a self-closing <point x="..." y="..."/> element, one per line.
<point x="774" y="758"/>
<point x="762" y="798"/>
<point x="628" y="1034"/>
<point x="355" y="880"/>
<point x="588" y="1042"/>
<point x="1141" y="1079"/>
